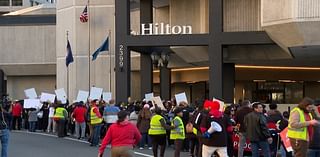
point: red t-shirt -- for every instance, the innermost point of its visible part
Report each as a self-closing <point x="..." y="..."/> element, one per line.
<point x="123" y="134"/>
<point x="17" y="109"/>
<point x="79" y="114"/>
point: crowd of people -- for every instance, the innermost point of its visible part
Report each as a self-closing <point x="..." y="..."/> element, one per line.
<point x="202" y="129"/>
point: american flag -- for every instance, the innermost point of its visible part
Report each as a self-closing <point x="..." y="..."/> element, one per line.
<point x="84" y="15"/>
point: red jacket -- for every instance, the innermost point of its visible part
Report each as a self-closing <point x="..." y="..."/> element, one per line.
<point x="16" y="109"/>
<point x="123" y="134"/>
<point x="79" y="114"/>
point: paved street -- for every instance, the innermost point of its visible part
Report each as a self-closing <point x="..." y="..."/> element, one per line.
<point x="25" y="144"/>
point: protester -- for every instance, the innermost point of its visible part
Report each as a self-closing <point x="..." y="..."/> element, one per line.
<point x="157" y="132"/>
<point x="60" y="118"/>
<point x="242" y="111"/>
<point x="143" y="124"/>
<point x="122" y="135"/>
<point x="110" y="113"/>
<point x="257" y="131"/>
<point x="229" y="114"/>
<point x="17" y="115"/>
<point x="213" y="127"/>
<point x="51" y="122"/>
<point x="314" y="145"/>
<point x="178" y="131"/>
<point x="33" y="118"/>
<point x="79" y="114"/>
<point x="95" y="122"/>
<point x="300" y="127"/>
<point x="4" y="131"/>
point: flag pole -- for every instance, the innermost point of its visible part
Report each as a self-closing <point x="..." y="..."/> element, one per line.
<point x="67" y="33"/>
<point x="89" y="23"/>
<point x="110" y="53"/>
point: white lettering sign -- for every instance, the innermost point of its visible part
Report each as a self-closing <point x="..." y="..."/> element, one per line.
<point x="162" y="29"/>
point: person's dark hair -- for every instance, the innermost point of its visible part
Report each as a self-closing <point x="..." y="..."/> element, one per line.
<point x="273" y="106"/>
<point x="122" y="116"/>
<point x="256" y="104"/>
<point x="228" y="110"/>
<point x="286" y="114"/>
<point x="304" y="103"/>
<point x="317" y="102"/>
<point x="157" y="110"/>
<point x="245" y="103"/>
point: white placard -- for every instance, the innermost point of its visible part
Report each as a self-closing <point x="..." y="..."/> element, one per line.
<point x="31" y="93"/>
<point x="157" y="100"/>
<point x="221" y="104"/>
<point x="181" y="97"/>
<point x="107" y="96"/>
<point x="148" y="96"/>
<point x="46" y="97"/>
<point x="32" y="103"/>
<point x="61" y="95"/>
<point x="82" y="96"/>
<point x="95" y="93"/>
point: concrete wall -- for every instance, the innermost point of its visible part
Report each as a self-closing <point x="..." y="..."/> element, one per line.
<point x="84" y="73"/>
<point x="241" y="15"/>
<point x="28" y="44"/>
<point x="17" y="84"/>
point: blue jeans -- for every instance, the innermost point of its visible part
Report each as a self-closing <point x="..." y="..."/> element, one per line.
<point x="96" y="134"/>
<point x="313" y="152"/>
<point x="32" y="126"/>
<point x="264" y="145"/>
<point x="4" y="142"/>
<point x="242" y="142"/>
<point x="145" y="137"/>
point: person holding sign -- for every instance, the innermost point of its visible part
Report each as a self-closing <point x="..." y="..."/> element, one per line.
<point x="300" y="129"/>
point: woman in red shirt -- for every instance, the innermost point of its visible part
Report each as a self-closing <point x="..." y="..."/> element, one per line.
<point x="122" y="135"/>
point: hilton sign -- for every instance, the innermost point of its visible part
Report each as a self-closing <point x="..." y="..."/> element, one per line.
<point x="164" y="29"/>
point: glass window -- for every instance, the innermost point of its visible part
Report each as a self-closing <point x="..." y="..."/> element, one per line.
<point x="16" y="2"/>
<point x="4" y="3"/>
<point x="294" y="92"/>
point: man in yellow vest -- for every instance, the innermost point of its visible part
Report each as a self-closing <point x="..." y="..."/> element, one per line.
<point x="60" y="116"/>
<point x="95" y="121"/>
<point x="157" y="132"/>
<point x="177" y="133"/>
<point x="300" y="129"/>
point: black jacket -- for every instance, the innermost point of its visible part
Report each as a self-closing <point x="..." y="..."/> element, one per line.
<point x="239" y="117"/>
<point x="256" y="127"/>
<point x="315" y="142"/>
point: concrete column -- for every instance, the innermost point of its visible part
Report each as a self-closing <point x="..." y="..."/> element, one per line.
<point x="85" y="38"/>
<point x="215" y="49"/>
<point x="123" y="67"/>
<point x="228" y="82"/>
<point x="165" y="83"/>
<point x="146" y="74"/>
<point x="146" y="67"/>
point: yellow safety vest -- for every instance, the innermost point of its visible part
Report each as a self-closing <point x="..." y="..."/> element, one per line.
<point x="300" y="133"/>
<point x="59" y="113"/>
<point x="177" y="133"/>
<point x="155" y="126"/>
<point x="94" y="119"/>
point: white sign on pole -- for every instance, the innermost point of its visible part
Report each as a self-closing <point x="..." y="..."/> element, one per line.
<point x="61" y="95"/>
<point x="107" y="96"/>
<point x="181" y="97"/>
<point x="32" y="103"/>
<point x="95" y="93"/>
<point x="46" y="97"/>
<point x="157" y="100"/>
<point x="148" y="96"/>
<point x="31" y="93"/>
<point x="82" y="96"/>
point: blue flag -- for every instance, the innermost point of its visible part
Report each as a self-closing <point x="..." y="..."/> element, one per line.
<point x="69" y="57"/>
<point x="103" y="47"/>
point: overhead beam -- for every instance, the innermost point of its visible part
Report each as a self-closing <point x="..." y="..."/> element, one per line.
<point x="165" y="40"/>
<point x="245" y="38"/>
